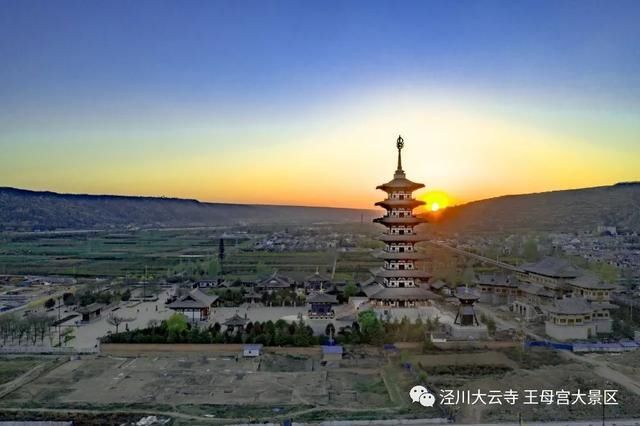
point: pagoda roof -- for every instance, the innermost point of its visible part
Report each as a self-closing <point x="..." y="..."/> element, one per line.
<point x="195" y="299"/>
<point x="404" y="273"/>
<point x="390" y="238"/>
<point x="411" y="255"/>
<point x="236" y="320"/>
<point x="466" y="293"/>
<point x="403" y="293"/>
<point x="321" y="297"/>
<point x="400" y="183"/>
<point x="275" y="280"/>
<point x="390" y="202"/>
<point x="317" y="277"/>
<point x="407" y="220"/>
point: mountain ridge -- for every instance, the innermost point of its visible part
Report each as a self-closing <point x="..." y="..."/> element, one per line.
<point x="578" y="209"/>
<point x="558" y="210"/>
<point x="27" y="210"/>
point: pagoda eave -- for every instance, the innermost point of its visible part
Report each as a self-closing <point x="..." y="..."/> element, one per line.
<point x="411" y="203"/>
<point x="398" y="256"/>
<point x="400" y="186"/>
<point x="406" y="293"/>
<point x="409" y="238"/>
<point x="400" y="273"/>
<point x="410" y="220"/>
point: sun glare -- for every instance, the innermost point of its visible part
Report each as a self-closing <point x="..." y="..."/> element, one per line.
<point x="435" y="200"/>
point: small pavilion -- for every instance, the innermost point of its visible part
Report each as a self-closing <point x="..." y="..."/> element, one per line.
<point x="466" y="315"/>
<point x="236" y="322"/>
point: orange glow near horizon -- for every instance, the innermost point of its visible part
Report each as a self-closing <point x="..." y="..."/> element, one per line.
<point x="470" y="147"/>
<point x="435" y="200"/>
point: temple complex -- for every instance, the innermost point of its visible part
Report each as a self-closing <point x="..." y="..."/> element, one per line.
<point x="398" y="283"/>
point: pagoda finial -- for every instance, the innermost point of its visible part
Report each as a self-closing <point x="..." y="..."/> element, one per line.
<point x="400" y="145"/>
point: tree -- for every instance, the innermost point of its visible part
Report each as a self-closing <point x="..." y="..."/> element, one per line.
<point x="126" y="295"/>
<point x="67" y="335"/>
<point x="50" y="303"/>
<point x="428" y="345"/>
<point x="350" y="290"/>
<point x="330" y="330"/>
<point x="177" y="323"/>
<point x="39" y="324"/>
<point x="6" y="327"/>
<point x="68" y="299"/>
<point x="490" y="323"/>
<point x="116" y="320"/>
<point x="370" y="327"/>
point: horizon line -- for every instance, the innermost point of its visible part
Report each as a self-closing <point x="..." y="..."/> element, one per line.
<point x="164" y="197"/>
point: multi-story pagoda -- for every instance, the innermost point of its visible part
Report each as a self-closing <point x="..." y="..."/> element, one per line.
<point x="398" y="283"/>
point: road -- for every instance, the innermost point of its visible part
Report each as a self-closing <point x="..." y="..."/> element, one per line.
<point x="479" y="257"/>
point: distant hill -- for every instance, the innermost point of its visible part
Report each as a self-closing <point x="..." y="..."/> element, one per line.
<point x="23" y="210"/>
<point x="570" y="210"/>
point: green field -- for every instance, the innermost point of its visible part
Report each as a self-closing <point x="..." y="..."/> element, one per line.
<point x="12" y="368"/>
<point x="162" y="253"/>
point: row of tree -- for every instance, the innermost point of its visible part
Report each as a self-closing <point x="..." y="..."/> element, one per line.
<point x="15" y="330"/>
<point x="368" y="329"/>
<point x="177" y="330"/>
<point x="281" y="297"/>
<point x="88" y="296"/>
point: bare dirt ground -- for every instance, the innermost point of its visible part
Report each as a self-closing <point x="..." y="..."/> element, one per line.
<point x="626" y="362"/>
<point x="219" y="386"/>
<point x="192" y="379"/>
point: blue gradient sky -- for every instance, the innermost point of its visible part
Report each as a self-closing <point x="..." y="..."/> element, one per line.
<point x="252" y="101"/>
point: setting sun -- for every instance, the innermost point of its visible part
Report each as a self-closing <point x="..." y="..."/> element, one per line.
<point x="435" y="200"/>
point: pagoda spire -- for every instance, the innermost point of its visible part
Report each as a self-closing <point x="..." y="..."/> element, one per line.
<point x="399" y="145"/>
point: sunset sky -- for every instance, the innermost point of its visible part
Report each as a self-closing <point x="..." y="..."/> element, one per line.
<point x="301" y="102"/>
